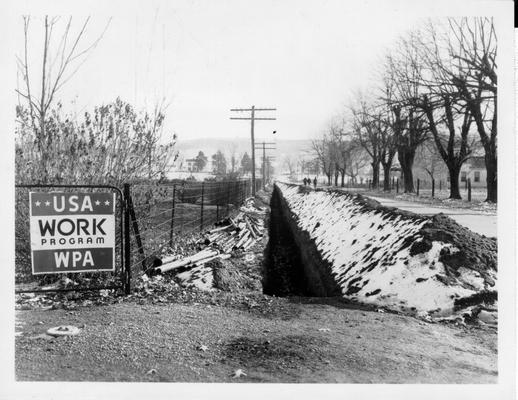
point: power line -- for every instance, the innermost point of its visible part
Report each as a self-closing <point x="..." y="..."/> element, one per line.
<point x="263" y="145"/>
<point x="252" y="120"/>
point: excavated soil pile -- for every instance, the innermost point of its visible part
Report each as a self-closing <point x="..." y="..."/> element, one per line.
<point x="388" y="257"/>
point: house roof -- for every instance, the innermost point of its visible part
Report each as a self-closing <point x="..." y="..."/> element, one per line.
<point x="477" y="162"/>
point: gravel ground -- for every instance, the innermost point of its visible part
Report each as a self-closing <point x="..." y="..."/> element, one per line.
<point x="300" y="340"/>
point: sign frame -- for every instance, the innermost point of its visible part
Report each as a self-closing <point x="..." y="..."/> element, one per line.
<point x="73" y="217"/>
<point x="123" y="248"/>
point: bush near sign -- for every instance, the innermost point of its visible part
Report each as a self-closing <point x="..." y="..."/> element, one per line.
<point x="72" y="232"/>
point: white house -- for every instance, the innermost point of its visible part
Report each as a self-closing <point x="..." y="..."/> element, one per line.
<point x="475" y="170"/>
<point x="190" y="165"/>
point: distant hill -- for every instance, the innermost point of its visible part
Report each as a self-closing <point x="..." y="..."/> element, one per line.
<point x="209" y="146"/>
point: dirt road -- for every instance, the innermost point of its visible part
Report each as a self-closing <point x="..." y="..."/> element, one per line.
<point x="482" y="223"/>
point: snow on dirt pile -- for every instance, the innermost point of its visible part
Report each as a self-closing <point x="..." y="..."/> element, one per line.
<point x="396" y="259"/>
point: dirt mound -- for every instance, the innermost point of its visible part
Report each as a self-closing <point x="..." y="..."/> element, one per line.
<point x="228" y="277"/>
<point x="425" y="265"/>
<point x="473" y="251"/>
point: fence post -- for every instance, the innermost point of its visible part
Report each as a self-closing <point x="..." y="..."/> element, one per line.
<point x="228" y="195"/>
<point x="172" y="217"/>
<point x="397" y="185"/>
<point x="418" y="181"/>
<point x="182" y="208"/>
<point x="433" y="188"/>
<point x="127" y="248"/>
<point x="469" y="189"/>
<point x="136" y="229"/>
<point x="218" y="200"/>
<point x="201" y="214"/>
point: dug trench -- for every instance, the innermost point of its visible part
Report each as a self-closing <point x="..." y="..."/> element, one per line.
<point x="292" y="265"/>
<point x="268" y="315"/>
<point x="282" y="272"/>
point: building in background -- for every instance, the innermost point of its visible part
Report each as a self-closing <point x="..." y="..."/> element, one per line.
<point x="475" y="170"/>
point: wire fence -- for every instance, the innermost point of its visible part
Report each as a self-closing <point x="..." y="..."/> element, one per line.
<point x="433" y="189"/>
<point x="163" y="215"/>
<point x="151" y="219"/>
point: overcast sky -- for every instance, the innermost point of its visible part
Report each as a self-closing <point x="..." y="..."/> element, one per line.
<point x="205" y="57"/>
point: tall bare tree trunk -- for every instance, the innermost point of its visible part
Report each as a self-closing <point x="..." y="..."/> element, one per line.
<point x="386" y="177"/>
<point x="406" y="160"/>
<point x="454" y="172"/>
<point x="375" y="174"/>
<point x="491" y="179"/>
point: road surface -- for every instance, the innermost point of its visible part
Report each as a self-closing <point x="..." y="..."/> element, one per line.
<point x="482" y="223"/>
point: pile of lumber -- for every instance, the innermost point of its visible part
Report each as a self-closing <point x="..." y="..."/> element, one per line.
<point x="250" y="208"/>
<point x="200" y="258"/>
<point x="238" y="233"/>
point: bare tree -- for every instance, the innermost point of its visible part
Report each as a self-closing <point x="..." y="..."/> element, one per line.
<point x="430" y="161"/>
<point x="232" y="157"/>
<point x="411" y="132"/>
<point x="321" y="148"/>
<point x="454" y="152"/>
<point x="334" y="137"/>
<point x="290" y="164"/>
<point x="372" y="133"/>
<point x="465" y="56"/>
<point x="341" y="145"/>
<point x="358" y="160"/>
<point x="57" y="68"/>
<point x="425" y="88"/>
<point x="407" y="121"/>
<point x="302" y="164"/>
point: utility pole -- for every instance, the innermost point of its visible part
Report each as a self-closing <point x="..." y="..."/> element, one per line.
<point x="252" y="120"/>
<point x="262" y="145"/>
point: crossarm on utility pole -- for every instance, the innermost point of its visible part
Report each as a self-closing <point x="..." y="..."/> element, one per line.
<point x="252" y="119"/>
<point x="255" y="109"/>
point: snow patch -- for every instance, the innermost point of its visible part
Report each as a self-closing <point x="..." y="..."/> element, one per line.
<point x="200" y="277"/>
<point x="369" y="252"/>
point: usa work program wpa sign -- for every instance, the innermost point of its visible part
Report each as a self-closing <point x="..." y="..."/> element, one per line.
<point x="72" y="232"/>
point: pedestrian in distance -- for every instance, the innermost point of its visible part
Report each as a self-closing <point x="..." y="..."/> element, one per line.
<point x="315" y="182"/>
<point x="305" y="181"/>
